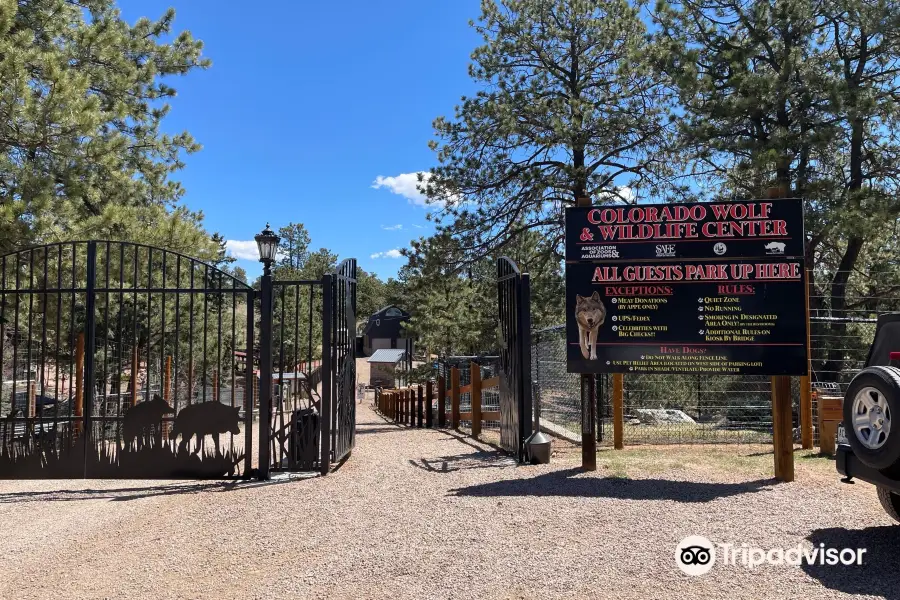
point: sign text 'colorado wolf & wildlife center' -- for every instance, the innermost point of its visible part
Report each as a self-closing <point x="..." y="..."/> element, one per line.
<point x="687" y="288"/>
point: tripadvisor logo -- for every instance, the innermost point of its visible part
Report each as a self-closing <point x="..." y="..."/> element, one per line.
<point x="696" y="555"/>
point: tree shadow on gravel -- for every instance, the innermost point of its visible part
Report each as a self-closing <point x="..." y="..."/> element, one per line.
<point x="121" y="494"/>
<point x="564" y="483"/>
<point x="466" y="461"/>
<point x="876" y="576"/>
<point x="366" y="430"/>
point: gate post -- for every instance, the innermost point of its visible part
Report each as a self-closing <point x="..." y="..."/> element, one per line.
<point x="325" y="418"/>
<point x="90" y="332"/>
<point x="265" y="372"/>
<point x="249" y="394"/>
<point x="526" y="399"/>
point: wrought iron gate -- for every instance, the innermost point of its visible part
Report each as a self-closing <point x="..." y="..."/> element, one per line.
<point x="120" y="360"/>
<point x="309" y="405"/>
<point x="514" y="296"/>
<point x="343" y="360"/>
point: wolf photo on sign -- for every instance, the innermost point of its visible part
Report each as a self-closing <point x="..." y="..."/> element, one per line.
<point x="590" y="314"/>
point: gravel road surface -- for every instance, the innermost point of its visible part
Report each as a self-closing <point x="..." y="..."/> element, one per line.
<point x="432" y="514"/>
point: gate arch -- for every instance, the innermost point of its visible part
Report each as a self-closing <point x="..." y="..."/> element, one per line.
<point x="120" y="359"/>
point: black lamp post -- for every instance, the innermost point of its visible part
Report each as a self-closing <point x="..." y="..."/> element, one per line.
<point x="267" y="240"/>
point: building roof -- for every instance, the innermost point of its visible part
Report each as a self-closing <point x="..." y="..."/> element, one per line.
<point x="386" y="322"/>
<point x="390" y="310"/>
<point x="392" y="356"/>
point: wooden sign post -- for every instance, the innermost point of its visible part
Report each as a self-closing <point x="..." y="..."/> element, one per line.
<point x="782" y="430"/>
<point x="588" y="406"/>
<point x="618" y="411"/>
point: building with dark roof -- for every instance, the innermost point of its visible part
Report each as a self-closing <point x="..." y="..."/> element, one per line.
<point x="384" y="331"/>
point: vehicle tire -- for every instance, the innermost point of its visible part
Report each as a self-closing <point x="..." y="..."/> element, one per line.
<point x="871" y="400"/>
<point x="890" y="502"/>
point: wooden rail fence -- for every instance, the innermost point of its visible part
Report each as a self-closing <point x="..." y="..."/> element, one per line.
<point x="414" y="405"/>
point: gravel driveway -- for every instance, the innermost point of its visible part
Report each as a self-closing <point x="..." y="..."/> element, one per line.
<point x="430" y="514"/>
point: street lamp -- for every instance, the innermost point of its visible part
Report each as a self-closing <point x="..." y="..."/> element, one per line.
<point x="267" y="240"/>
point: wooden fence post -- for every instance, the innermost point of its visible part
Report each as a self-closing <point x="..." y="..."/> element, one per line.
<point x="421" y="406"/>
<point x="429" y="404"/>
<point x="475" y="376"/>
<point x="79" y="383"/>
<point x="454" y="398"/>
<point x="618" y="411"/>
<point x="32" y="400"/>
<point x="782" y="430"/>
<point x="442" y="401"/>
<point x="410" y="407"/>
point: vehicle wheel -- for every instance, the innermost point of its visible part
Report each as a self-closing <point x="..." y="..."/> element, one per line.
<point x="871" y="400"/>
<point x="890" y="502"/>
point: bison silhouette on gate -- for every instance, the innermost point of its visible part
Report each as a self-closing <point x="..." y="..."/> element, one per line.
<point x="141" y="419"/>
<point x="206" y="418"/>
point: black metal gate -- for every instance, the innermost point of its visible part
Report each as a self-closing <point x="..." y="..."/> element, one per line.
<point x="309" y="403"/>
<point x="125" y="360"/>
<point x="514" y="296"/>
<point x="342" y="360"/>
<point x="120" y="360"/>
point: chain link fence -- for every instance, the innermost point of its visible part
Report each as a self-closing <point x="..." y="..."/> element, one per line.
<point x="659" y="409"/>
<point x="675" y="409"/>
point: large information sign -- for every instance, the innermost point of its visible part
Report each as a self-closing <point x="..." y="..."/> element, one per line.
<point x="735" y="311"/>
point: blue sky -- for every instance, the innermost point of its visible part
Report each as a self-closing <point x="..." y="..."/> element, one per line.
<point x="307" y="105"/>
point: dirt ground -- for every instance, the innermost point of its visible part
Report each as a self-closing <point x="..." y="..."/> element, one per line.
<point x="433" y="514"/>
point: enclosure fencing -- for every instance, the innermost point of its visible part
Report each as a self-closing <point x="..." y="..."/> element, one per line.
<point x="675" y="409"/>
<point x="490" y="396"/>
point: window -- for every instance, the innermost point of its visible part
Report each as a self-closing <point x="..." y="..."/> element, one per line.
<point x="393" y="312"/>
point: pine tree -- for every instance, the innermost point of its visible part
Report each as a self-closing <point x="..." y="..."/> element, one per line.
<point x="569" y="108"/>
<point x="83" y="95"/>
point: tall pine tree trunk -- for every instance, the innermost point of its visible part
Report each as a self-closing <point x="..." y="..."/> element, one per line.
<point x="835" y="363"/>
